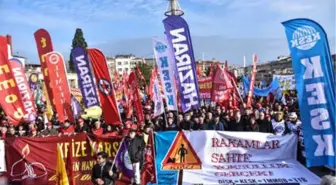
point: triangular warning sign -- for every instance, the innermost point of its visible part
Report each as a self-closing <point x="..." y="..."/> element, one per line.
<point x="181" y="155"/>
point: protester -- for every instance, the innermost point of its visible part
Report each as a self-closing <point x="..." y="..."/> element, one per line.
<point x="103" y="173"/>
<point x="135" y="146"/>
<point x="49" y="131"/>
<point x="66" y="129"/>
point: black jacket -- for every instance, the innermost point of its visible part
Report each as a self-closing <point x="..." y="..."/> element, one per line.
<point x="136" y="147"/>
<point x="187" y="125"/>
<point x="97" y="172"/>
<point x="265" y="126"/>
<point x="238" y="126"/>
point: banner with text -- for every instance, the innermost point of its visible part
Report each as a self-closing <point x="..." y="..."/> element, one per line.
<point x="31" y="163"/>
<point x="178" y="36"/>
<point x="10" y="98"/>
<point x="44" y="45"/>
<point x="315" y="84"/>
<point x="287" y="82"/>
<point x="2" y="156"/>
<point x="164" y="59"/>
<point x="214" y="157"/>
<point x="60" y="87"/>
<point x="205" y="88"/>
<point x="85" y="78"/>
<point x="106" y="90"/>
<point x="23" y="86"/>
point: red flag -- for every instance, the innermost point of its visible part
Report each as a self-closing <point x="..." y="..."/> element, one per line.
<point x="22" y="83"/>
<point x="106" y="91"/>
<point x="221" y="84"/>
<point x="60" y="87"/>
<point x="148" y="173"/>
<point x="10" y="98"/>
<point x="44" y="46"/>
<point x="254" y="72"/>
<point x="69" y="166"/>
<point x="136" y="97"/>
<point x="226" y="67"/>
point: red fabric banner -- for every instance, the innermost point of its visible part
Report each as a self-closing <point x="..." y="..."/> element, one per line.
<point x="132" y="80"/>
<point x="205" y="87"/>
<point x="105" y="88"/>
<point x="222" y="86"/>
<point x="23" y="86"/>
<point x="44" y="46"/>
<point x="32" y="161"/>
<point x="254" y="72"/>
<point x="10" y="98"/>
<point x="148" y="173"/>
<point x="60" y="87"/>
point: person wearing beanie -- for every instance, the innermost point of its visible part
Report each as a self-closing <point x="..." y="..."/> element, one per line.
<point x="279" y="125"/>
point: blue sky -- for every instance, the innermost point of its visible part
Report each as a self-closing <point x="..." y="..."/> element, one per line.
<point x="221" y="29"/>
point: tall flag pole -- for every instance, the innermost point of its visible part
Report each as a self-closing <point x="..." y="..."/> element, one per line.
<point x="178" y="36"/>
<point x="315" y="83"/>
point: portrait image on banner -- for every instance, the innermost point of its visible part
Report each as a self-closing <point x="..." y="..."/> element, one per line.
<point x="315" y="84"/>
<point x="287" y="82"/>
<point x="85" y="78"/>
<point x="178" y="36"/>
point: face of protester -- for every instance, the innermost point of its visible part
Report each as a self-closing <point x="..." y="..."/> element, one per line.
<point x="128" y="125"/>
<point x="100" y="160"/>
<point x="170" y="121"/>
<point x="278" y="117"/>
<point x="187" y="117"/>
<point x="147" y="117"/>
<point x="227" y="117"/>
<point x="237" y="116"/>
<point x="180" y="117"/>
<point x="252" y="121"/>
<point x="20" y="127"/>
<point x="201" y="120"/>
<point x="217" y="119"/>
<point x="209" y="115"/>
<point x="49" y="127"/>
<point x="12" y="130"/>
<point x="261" y="116"/>
<point x="278" y="107"/>
<point x="132" y="134"/>
<point x="196" y="120"/>
<point x="97" y="124"/>
<point x="109" y="128"/>
<point x="66" y="124"/>
<point x="3" y="130"/>
<point x="171" y="115"/>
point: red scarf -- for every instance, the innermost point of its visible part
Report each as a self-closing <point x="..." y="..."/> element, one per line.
<point x="97" y="132"/>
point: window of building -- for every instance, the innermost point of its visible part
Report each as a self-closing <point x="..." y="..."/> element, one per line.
<point x="119" y="63"/>
<point x="120" y="69"/>
<point x="126" y="62"/>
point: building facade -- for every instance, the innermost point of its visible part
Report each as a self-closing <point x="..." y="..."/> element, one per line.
<point x="126" y="63"/>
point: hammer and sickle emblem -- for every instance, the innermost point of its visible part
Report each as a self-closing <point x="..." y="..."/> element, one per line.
<point x="43" y="42"/>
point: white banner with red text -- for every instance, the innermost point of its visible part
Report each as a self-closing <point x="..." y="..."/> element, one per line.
<point x="210" y="157"/>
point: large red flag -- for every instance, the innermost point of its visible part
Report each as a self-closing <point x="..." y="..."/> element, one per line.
<point x="136" y="97"/>
<point x="222" y="86"/>
<point x="10" y="98"/>
<point x="22" y="84"/>
<point x="44" y="46"/>
<point x="106" y="90"/>
<point x="148" y="173"/>
<point x="60" y="87"/>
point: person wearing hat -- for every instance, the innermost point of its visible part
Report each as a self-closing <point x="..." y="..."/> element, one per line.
<point x="34" y="132"/>
<point x="136" y="146"/>
<point x="49" y="130"/>
<point x="295" y="126"/>
<point x="265" y="126"/>
<point x="66" y="129"/>
<point x="279" y="125"/>
<point x="81" y="126"/>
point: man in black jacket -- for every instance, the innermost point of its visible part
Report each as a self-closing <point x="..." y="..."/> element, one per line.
<point x="265" y="126"/>
<point x="102" y="172"/>
<point x="239" y="124"/>
<point x="136" y="146"/>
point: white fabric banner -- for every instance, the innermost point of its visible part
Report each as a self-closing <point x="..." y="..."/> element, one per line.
<point x="2" y="156"/>
<point x="164" y="57"/>
<point x="158" y="103"/>
<point x="246" y="158"/>
<point x="287" y="82"/>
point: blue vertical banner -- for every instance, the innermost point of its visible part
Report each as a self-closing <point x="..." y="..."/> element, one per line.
<point x="315" y="83"/>
<point x="163" y="141"/>
<point x="178" y="36"/>
<point x="85" y="78"/>
<point x="164" y="57"/>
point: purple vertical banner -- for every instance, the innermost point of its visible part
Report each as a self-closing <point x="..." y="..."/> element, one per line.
<point x="32" y="81"/>
<point x="178" y="36"/>
<point x="76" y="107"/>
<point x="85" y="78"/>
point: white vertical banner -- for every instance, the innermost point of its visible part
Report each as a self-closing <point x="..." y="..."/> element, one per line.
<point x="164" y="57"/>
<point x="2" y="156"/>
<point x="158" y="103"/>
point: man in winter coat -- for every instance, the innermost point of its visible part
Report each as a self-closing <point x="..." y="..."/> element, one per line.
<point x="102" y="172"/>
<point x="136" y="146"/>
